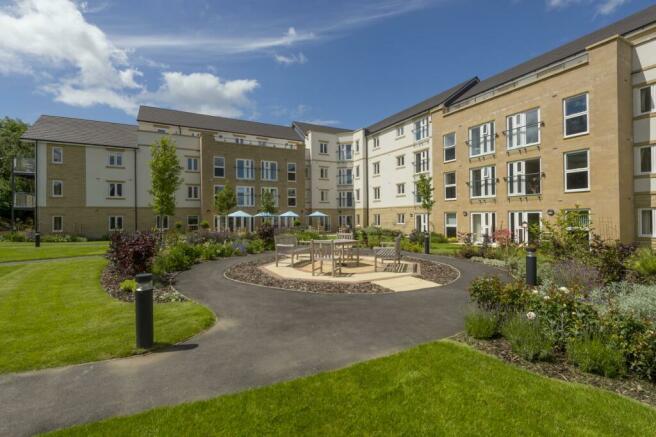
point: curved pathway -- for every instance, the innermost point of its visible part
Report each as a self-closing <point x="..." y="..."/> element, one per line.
<point x="262" y="336"/>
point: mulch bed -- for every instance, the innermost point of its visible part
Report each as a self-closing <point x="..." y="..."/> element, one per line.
<point x="250" y="272"/>
<point x="164" y="292"/>
<point x="559" y="368"/>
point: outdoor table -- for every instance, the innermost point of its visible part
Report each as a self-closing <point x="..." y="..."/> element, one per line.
<point x="352" y="244"/>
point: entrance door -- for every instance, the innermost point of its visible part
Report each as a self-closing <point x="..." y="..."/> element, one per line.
<point x="421" y="222"/>
<point x="482" y="225"/>
<point x="524" y="226"/>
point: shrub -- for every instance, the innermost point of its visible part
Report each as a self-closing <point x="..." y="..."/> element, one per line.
<point x="610" y="259"/>
<point x="491" y="294"/>
<point x="132" y="253"/>
<point x="594" y="354"/>
<point x="575" y="274"/>
<point x="438" y="238"/>
<point x="266" y="233"/>
<point x="255" y="246"/>
<point x="468" y="250"/>
<point x="238" y="248"/>
<point x="15" y="237"/>
<point x="643" y="263"/>
<point x="177" y="258"/>
<point x="62" y="238"/>
<point x="527" y="338"/>
<point x="628" y="298"/>
<point x="128" y="286"/>
<point x="204" y="225"/>
<point x="409" y="246"/>
<point x="416" y="236"/>
<point x="481" y="324"/>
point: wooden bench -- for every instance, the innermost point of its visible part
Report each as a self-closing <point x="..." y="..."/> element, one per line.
<point x="289" y="246"/>
<point x="388" y="251"/>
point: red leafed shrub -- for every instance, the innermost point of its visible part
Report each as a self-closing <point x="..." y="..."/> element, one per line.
<point x="132" y="253"/>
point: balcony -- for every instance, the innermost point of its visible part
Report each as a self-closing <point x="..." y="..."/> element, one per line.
<point x="24" y="200"/>
<point x="24" y="166"/>
<point x="525" y="185"/>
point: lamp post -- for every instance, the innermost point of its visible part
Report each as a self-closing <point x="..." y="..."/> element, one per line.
<point x="143" y="300"/>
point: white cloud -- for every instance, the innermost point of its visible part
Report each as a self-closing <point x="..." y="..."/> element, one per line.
<point x="322" y="122"/>
<point x="75" y="62"/>
<point x="602" y="7"/>
<point x="607" y="7"/>
<point x="300" y="58"/>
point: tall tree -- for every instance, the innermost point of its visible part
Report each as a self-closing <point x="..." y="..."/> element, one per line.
<point x="10" y="147"/>
<point x="225" y="200"/>
<point x="165" y="176"/>
<point x="425" y="192"/>
<point x="268" y="204"/>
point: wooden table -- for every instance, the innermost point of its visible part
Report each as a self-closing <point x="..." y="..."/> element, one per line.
<point x="351" y="244"/>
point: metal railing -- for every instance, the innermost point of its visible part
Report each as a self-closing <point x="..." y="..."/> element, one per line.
<point x="24" y="165"/>
<point x="483" y="188"/>
<point x="521" y="136"/>
<point x="24" y="200"/>
<point x="525" y="185"/>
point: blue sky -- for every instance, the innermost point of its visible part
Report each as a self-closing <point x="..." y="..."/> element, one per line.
<point x="344" y="63"/>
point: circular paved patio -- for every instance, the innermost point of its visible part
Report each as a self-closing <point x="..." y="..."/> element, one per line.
<point x="262" y="336"/>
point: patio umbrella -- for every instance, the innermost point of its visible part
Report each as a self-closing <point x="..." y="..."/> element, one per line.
<point x="318" y="214"/>
<point x="264" y="214"/>
<point x="239" y="214"/>
<point x="289" y="214"/>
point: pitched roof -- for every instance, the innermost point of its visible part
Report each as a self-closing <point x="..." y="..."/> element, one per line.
<point x="423" y="106"/>
<point x="622" y="27"/>
<point x="306" y="127"/>
<point x="214" y="123"/>
<point x="80" y="131"/>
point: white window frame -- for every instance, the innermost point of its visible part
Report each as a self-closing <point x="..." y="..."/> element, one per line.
<point x="344" y="152"/>
<point x="291" y="172"/>
<point x="323" y="173"/>
<point x="116" y="185"/>
<point x="267" y="171"/>
<point x="517" y="169"/>
<point x="399" y="131"/>
<point x="375" y="168"/>
<point x="249" y="169"/>
<point x="376" y="220"/>
<point x="522" y="235"/>
<point x="400" y="161"/>
<point x="52" y="188"/>
<point x="356" y="174"/>
<point x="486" y="136"/>
<point x="446" y="147"/>
<point x="447" y="225"/>
<point x="517" y="129"/>
<point x="421" y="129"/>
<point x="376" y="193"/>
<point x="116" y="219"/>
<point x="248" y="196"/>
<point x="578" y="170"/>
<point x="400" y="189"/>
<point x="344" y="176"/>
<point x="191" y="226"/>
<point x="453" y="185"/>
<point x="653" y="222"/>
<point x="290" y="196"/>
<point x="61" y="155"/>
<point x="376" y="142"/>
<point x="193" y="192"/>
<point x="323" y="148"/>
<point x="117" y="157"/>
<point x="219" y="166"/>
<point x="357" y="195"/>
<point x="192" y="164"/>
<point x="488" y="173"/>
<point x="274" y="192"/>
<point x="61" y="222"/>
<point x="422" y="161"/>
<point x="578" y="114"/>
<point x="162" y="222"/>
<point x="652" y="97"/>
<point x="343" y="199"/>
<point x="324" y="196"/>
<point x="400" y="218"/>
<point x="486" y="217"/>
<point x="638" y="160"/>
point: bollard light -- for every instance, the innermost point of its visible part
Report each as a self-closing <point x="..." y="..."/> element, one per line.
<point x="427" y="243"/>
<point x="531" y="267"/>
<point x="37" y="240"/>
<point x="143" y="304"/>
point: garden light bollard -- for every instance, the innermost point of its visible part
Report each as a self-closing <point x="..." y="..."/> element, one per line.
<point x="426" y="243"/>
<point x="37" y="240"/>
<point x="143" y="300"/>
<point x="531" y="267"/>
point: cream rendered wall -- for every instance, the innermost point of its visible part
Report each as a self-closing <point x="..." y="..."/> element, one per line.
<point x="42" y="173"/>
<point x="99" y="174"/>
<point x="319" y="160"/>
<point x="360" y="183"/>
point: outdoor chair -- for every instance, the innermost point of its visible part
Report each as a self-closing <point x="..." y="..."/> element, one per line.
<point x="288" y="245"/>
<point x="325" y="251"/>
<point x="388" y="251"/>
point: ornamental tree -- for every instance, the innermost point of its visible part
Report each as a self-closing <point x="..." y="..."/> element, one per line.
<point x="165" y="176"/>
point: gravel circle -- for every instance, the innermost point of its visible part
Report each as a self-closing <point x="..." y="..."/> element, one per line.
<point x="251" y="273"/>
<point x="559" y="368"/>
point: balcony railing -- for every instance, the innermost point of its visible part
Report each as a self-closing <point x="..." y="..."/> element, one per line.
<point x="24" y="200"/>
<point x="524" y="185"/>
<point x="24" y="165"/>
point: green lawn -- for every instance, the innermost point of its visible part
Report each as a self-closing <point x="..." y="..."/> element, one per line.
<point x="444" y="248"/>
<point x="440" y="388"/>
<point x="56" y="313"/>
<point x="27" y="251"/>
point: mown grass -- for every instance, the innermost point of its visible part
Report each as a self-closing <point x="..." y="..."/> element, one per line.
<point x="56" y="313"/>
<point x="441" y="388"/>
<point x="27" y="251"/>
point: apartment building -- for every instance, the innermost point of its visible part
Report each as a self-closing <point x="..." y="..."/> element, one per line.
<point x="570" y="129"/>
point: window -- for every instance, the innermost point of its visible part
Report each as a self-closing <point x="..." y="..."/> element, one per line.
<point x="376" y="219"/>
<point x="357" y="219"/>
<point x="646" y="160"/>
<point x="399" y="131"/>
<point x="261" y="143"/>
<point x="192" y="164"/>
<point x="400" y="160"/>
<point x="192" y="222"/>
<point x="57" y="155"/>
<point x="524" y="226"/>
<point x="291" y="196"/>
<point x="449" y="142"/>
<point x="482" y="226"/>
<point x="422" y="161"/>
<point x="376" y="142"/>
<point x="269" y="171"/>
<point x="577" y="171"/>
<point x="376" y="193"/>
<point x="400" y="219"/>
<point x="58" y="223"/>
<point x="323" y="148"/>
<point x="161" y="130"/>
<point x="57" y="188"/>
<point x="245" y="169"/>
<point x="323" y="196"/>
<point x="239" y="140"/>
<point x="115" y="223"/>
<point x="323" y="172"/>
<point x="245" y="196"/>
<point x="116" y="189"/>
<point x="357" y="146"/>
<point x="482" y="182"/>
<point x="291" y="172"/>
<point x="524" y="177"/>
<point x="450" y="185"/>
<point x="162" y="222"/>
<point x="219" y="167"/>
<point x="357" y="195"/>
<point x="400" y="189"/>
<point x="450" y="224"/>
<point x="646" y="222"/>
<point x="344" y="176"/>
<point x="344" y="152"/>
<point x="647" y="99"/>
<point x="218" y="189"/>
<point x="115" y="159"/>
<point x="576" y="115"/>
<point x="274" y="194"/>
<point x="421" y="129"/>
<point x="193" y="192"/>
<point x="357" y="171"/>
<point x="481" y="139"/>
<point x="523" y="129"/>
<point x="417" y="195"/>
<point x="375" y="168"/>
<point x="345" y="199"/>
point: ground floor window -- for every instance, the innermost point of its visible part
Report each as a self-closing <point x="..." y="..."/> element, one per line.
<point x="421" y="222"/>
<point x="58" y="223"/>
<point x="450" y="224"/>
<point x="162" y="222"/>
<point x="400" y="219"/>
<point x="345" y="221"/>
<point x="524" y="226"/>
<point x="115" y="223"/>
<point x="376" y="219"/>
<point x="233" y="224"/>
<point x="646" y="219"/>
<point x="192" y="222"/>
<point x="482" y="226"/>
<point x="357" y="219"/>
